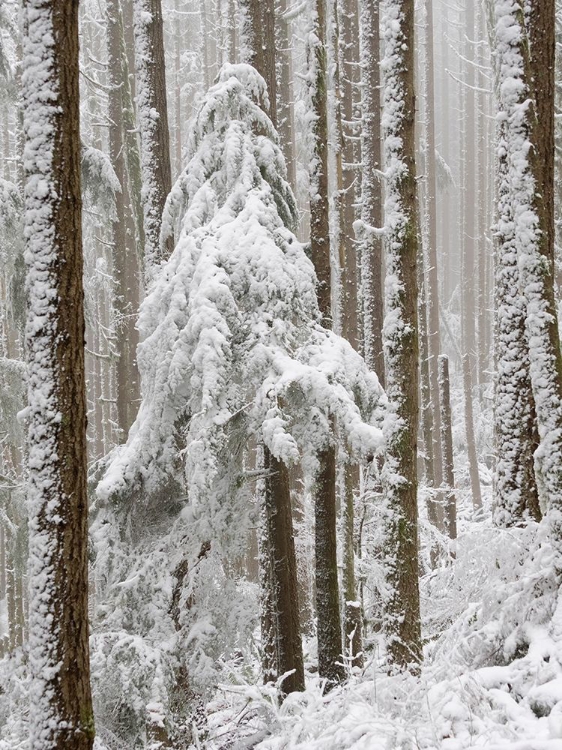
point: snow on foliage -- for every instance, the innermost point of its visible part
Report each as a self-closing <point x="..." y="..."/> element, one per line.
<point x="99" y="181"/>
<point x="229" y="327"/>
<point x="231" y="351"/>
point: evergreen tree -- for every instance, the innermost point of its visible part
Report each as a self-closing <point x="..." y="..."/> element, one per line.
<point x="231" y="344"/>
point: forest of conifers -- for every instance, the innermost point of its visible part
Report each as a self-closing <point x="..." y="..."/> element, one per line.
<point x="280" y="374"/>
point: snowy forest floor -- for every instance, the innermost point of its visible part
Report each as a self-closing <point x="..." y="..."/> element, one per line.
<point x="492" y="676"/>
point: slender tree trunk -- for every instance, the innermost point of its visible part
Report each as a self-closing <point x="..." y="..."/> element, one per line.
<point x="432" y="288"/>
<point x="153" y="122"/>
<point x="468" y="231"/>
<point x="371" y="190"/>
<point x="285" y="107"/>
<point x="283" y="602"/>
<point x="284" y="573"/>
<point x="124" y="257"/>
<point x="402" y="615"/>
<point x="450" y="515"/>
<point x="330" y="663"/>
<point x="62" y="714"/>
<point x="347" y="75"/>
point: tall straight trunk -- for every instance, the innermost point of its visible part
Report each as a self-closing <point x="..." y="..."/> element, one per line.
<point x="402" y="615"/>
<point x="282" y="600"/>
<point x="329" y="630"/>
<point x="347" y="75"/>
<point x="450" y="514"/>
<point x="516" y="438"/>
<point x="468" y="232"/>
<point x="153" y="123"/>
<point x="432" y="288"/>
<point x="285" y="107"/>
<point x="348" y="71"/>
<point x="178" y="92"/>
<point x="530" y="55"/>
<point x="371" y="248"/>
<point x="4" y="641"/>
<point x="259" y="37"/>
<point x="124" y="256"/>
<point x="284" y="574"/>
<point x="62" y="714"/>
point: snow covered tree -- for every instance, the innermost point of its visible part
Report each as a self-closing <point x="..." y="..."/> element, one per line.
<point x="329" y="628"/>
<point x="400" y="335"/>
<point x="525" y="63"/>
<point x="58" y="571"/>
<point x="153" y="124"/>
<point x="125" y="255"/>
<point x="516" y="439"/>
<point x="371" y="189"/>
<point x="232" y="344"/>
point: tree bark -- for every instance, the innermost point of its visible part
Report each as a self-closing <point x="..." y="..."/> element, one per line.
<point x="432" y="286"/>
<point x="329" y="629"/>
<point x="62" y="714"/>
<point x="402" y="615"/>
<point x="124" y="256"/>
<point x="450" y="515"/>
<point x="281" y="604"/>
<point x="371" y="248"/>
<point x="153" y="123"/>
<point x="284" y="573"/>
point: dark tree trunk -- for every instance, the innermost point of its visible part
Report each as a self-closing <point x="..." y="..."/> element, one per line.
<point x="284" y="574"/>
<point x="450" y="514"/>
<point x="153" y="122"/>
<point x="402" y="615"/>
<point x="330" y="663"/>
<point x="280" y="611"/>
<point x="62" y="714"/>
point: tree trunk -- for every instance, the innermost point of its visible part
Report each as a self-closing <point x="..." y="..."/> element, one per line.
<point x="468" y="232"/>
<point x="330" y="662"/>
<point x="284" y="573"/>
<point x="432" y="287"/>
<point x="124" y="257"/>
<point x="153" y="122"/>
<point x="283" y="600"/>
<point x="285" y="108"/>
<point x="346" y="75"/>
<point x="62" y="714"/>
<point x="450" y="515"/>
<point x="371" y="248"/>
<point x="516" y="438"/>
<point x="402" y="614"/>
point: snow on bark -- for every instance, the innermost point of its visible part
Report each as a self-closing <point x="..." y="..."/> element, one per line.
<point x="153" y="125"/>
<point x="515" y="484"/>
<point x="61" y="711"/>
<point x="400" y="336"/>
<point x="517" y="117"/>
<point x="230" y="332"/>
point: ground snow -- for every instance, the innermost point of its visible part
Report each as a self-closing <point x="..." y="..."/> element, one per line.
<point x="492" y="676"/>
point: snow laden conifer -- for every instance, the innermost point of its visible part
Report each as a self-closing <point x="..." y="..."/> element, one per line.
<point x="232" y="345"/>
<point x="229" y="327"/>
<point x="526" y="196"/>
<point x="400" y="335"/>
